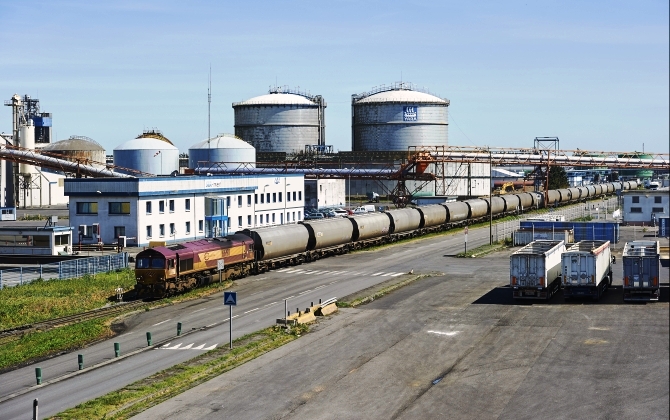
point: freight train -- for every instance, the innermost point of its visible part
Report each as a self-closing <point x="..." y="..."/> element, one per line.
<point x="168" y="270"/>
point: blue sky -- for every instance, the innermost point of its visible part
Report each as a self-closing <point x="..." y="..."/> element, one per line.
<point x="595" y="74"/>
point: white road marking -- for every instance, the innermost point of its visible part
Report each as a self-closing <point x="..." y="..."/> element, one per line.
<point x="270" y="304"/>
<point x="255" y="309"/>
<point x="175" y="347"/>
<point x="320" y="287"/>
<point x="199" y="347"/>
<point x="211" y="347"/>
<point x="306" y="291"/>
<point x="289" y="297"/>
<point x="451" y="333"/>
<point x="162" y="322"/>
<point x="396" y="274"/>
<point x="332" y="282"/>
<point x="283" y="270"/>
<point x="198" y="310"/>
<point x="166" y="345"/>
<point x="210" y="325"/>
<point x="387" y="274"/>
<point x="187" y="347"/>
<point x="376" y="274"/>
<point x="291" y="271"/>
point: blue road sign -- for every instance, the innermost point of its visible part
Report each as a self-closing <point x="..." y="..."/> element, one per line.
<point x="230" y="298"/>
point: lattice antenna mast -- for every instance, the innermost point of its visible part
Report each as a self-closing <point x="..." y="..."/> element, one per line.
<point x="209" y="113"/>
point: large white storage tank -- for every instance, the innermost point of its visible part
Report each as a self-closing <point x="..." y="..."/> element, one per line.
<point x="392" y="118"/>
<point x="284" y="120"/>
<point x="222" y="148"/>
<point x="78" y="148"/>
<point x="150" y="153"/>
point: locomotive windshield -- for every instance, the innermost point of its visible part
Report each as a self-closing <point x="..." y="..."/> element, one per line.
<point x="146" y="262"/>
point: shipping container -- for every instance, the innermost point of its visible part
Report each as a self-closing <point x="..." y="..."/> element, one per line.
<point x="525" y="236"/>
<point x="584" y="231"/>
<point x="535" y="270"/>
<point x="587" y="269"/>
<point x="641" y="270"/>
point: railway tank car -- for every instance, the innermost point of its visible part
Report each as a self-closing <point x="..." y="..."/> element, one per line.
<point x="167" y="270"/>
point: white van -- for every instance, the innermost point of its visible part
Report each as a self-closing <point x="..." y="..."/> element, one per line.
<point x="367" y="208"/>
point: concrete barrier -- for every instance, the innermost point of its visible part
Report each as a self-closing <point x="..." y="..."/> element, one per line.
<point x="326" y="310"/>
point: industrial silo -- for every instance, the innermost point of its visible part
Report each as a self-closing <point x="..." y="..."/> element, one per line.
<point x="150" y="153"/>
<point x="284" y="120"/>
<point x="222" y="148"/>
<point x="77" y="149"/>
<point x="392" y="118"/>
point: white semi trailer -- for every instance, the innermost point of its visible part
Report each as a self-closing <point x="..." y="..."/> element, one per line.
<point x="641" y="266"/>
<point x="587" y="269"/>
<point x="535" y="270"/>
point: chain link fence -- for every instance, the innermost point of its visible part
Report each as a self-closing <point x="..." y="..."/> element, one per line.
<point x="63" y="270"/>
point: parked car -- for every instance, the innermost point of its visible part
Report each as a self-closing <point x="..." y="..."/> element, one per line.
<point x="341" y="212"/>
<point x="313" y="216"/>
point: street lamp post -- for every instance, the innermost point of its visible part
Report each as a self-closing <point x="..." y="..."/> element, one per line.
<point x="490" y="202"/>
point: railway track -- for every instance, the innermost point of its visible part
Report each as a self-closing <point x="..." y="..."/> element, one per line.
<point x="16" y="333"/>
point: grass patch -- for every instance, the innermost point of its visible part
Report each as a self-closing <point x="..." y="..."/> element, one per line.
<point x="485" y="249"/>
<point x="47" y="299"/>
<point x="44" y="343"/>
<point x="138" y="396"/>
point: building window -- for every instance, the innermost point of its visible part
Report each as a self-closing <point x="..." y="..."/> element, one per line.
<point x="119" y="231"/>
<point x="657" y="210"/>
<point x="300" y="195"/>
<point x="187" y="204"/>
<point x="119" y="208"/>
<point x="299" y="216"/>
<point x="161" y="206"/>
<point x="171" y="204"/>
<point x="273" y="217"/>
<point x="172" y="229"/>
<point x="148" y="232"/>
<point x="200" y="225"/>
<point x="658" y="200"/>
<point x="636" y="199"/>
<point x="320" y="188"/>
<point x="188" y="228"/>
<point x="262" y="198"/>
<point x="248" y="200"/>
<point x="636" y="209"/>
<point x="87" y="208"/>
<point x="161" y="230"/>
<point x="249" y="220"/>
<point x="293" y="195"/>
<point x="274" y="197"/>
<point x="239" y="201"/>
<point x="293" y="217"/>
<point x="281" y="218"/>
<point x="267" y="197"/>
<point x="288" y="196"/>
<point x="255" y="198"/>
<point x="148" y="207"/>
<point x="280" y="197"/>
<point x="228" y="201"/>
<point x="239" y="221"/>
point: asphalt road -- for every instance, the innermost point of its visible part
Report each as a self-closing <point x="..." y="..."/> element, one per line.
<point x="260" y="302"/>
<point x="457" y="346"/>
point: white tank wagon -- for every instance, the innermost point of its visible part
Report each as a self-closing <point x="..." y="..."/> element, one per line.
<point x="392" y="118"/>
<point x="587" y="269"/>
<point x="327" y="233"/>
<point x="641" y="269"/>
<point x="404" y="220"/>
<point x="535" y="270"/>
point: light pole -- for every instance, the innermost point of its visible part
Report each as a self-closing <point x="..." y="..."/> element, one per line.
<point x="490" y="202"/>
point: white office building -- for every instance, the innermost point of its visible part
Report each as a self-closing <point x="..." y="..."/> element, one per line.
<point x="177" y="209"/>
<point x="645" y="207"/>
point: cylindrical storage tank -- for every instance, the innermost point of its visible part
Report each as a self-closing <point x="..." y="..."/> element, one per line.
<point x="457" y="211"/>
<point x="565" y="195"/>
<point x="278" y="241"/>
<point x="281" y="121"/>
<point x="496" y="206"/>
<point x="148" y="153"/>
<point x="222" y="148"/>
<point x="433" y="215"/>
<point x="477" y="208"/>
<point x="592" y="190"/>
<point x="371" y="225"/>
<point x="526" y="200"/>
<point x="26" y="141"/>
<point x="512" y="201"/>
<point x="575" y="194"/>
<point x="403" y="220"/>
<point x="78" y="149"/>
<point x="553" y="197"/>
<point x="328" y="232"/>
<point x="392" y="118"/>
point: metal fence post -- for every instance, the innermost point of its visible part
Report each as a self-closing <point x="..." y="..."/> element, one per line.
<point x="21" y="277"/>
<point x="41" y="276"/>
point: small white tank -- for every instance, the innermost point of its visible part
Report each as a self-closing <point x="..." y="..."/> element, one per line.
<point x="27" y="141"/>
<point x="222" y="148"/>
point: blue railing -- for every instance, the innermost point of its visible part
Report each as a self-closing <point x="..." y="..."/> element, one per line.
<point x="63" y="270"/>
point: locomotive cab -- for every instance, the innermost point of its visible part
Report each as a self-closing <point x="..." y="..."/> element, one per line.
<point x="151" y="270"/>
